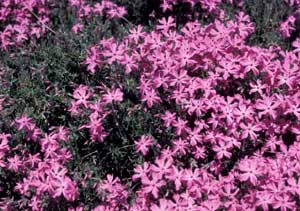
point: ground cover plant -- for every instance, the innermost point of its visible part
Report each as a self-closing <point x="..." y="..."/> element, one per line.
<point x="187" y="105"/>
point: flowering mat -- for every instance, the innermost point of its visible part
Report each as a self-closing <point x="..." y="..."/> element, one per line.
<point x="155" y="105"/>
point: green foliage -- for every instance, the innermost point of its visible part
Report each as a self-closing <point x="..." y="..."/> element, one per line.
<point x="266" y="16"/>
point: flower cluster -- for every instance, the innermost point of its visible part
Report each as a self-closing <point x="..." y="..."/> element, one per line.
<point x="26" y="20"/>
<point x="288" y="26"/>
<point x="97" y="111"/>
<point x="41" y="175"/>
<point x="233" y="111"/>
<point x="22" y="20"/>
<point x="230" y="96"/>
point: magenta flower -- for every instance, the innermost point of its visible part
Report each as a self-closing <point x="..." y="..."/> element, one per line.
<point x="14" y="163"/>
<point x="66" y="187"/>
<point x="152" y="185"/>
<point x="143" y="144"/>
<point x="82" y="95"/>
<point x="250" y="171"/>
<point x="113" y="96"/>
<point x="23" y="122"/>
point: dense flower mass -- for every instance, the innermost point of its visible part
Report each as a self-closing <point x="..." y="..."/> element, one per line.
<point x="22" y="21"/>
<point x="232" y="110"/>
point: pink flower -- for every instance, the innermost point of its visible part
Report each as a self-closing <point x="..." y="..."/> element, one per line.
<point x="64" y="186"/>
<point x="14" y="163"/>
<point x="166" y="24"/>
<point x="168" y="118"/>
<point x="296" y="45"/>
<point x="143" y="144"/>
<point x="284" y="202"/>
<point x="180" y="126"/>
<point x="136" y="33"/>
<point x="267" y="105"/>
<point x="250" y="171"/>
<point x="96" y="128"/>
<point x="77" y="28"/>
<point x="211" y="205"/>
<point x="164" y="205"/>
<point x="35" y="204"/>
<point x="82" y="95"/>
<point x="150" y="97"/>
<point x="115" y="95"/>
<point x="92" y="61"/>
<point x="250" y="130"/>
<point x="162" y="166"/>
<point x="180" y="146"/>
<point x="176" y="176"/>
<point x="141" y="171"/>
<point x="114" y="53"/>
<point x="222" y="150"/>
<point x="264" y="200"/>
<point x="288" y="26"/>
<point x="152" y="185"/>
<point x="23" y="122"/>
